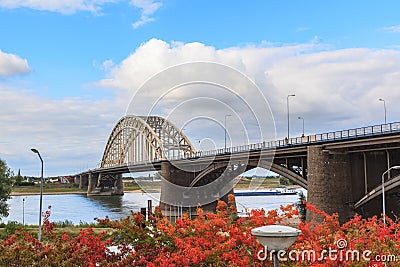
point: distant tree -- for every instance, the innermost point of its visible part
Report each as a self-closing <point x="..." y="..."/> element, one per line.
<point x="18" y="178"/>
<point x="301" y="204"/>
<point x="285" y="181"/>
<point x="6" y="183"/>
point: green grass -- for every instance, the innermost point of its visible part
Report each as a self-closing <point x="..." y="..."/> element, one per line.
<point x="267" y="183"/>
<point x="48" y="188"/>
<point x="66" y="226"/>
<point x="71" y="231"/>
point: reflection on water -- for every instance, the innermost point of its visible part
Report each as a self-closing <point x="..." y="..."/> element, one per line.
<point x="113" y="203"/>
<point x="80" y="208"/>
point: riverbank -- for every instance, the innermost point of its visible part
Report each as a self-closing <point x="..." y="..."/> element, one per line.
<point x="48" y="189"/>
<point x="45" y="193"/>
<point x="56" y="189"/>
<point x="63" y="193"/>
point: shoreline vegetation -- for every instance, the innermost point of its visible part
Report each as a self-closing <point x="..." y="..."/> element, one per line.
<point x="74" y="230"/>
<point x="130" y="186"/>
<point x="209" y="239"/>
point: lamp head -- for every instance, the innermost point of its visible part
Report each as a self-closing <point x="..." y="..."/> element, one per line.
<point x="395" y="168"/>
<point x="276" y="237"/>
<point x="381" y="99"/>
<point x="35" y="150"/>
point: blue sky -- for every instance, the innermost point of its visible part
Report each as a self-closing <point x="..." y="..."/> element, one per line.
<point x="77" y="43"/>
<point x="67" y="67"/>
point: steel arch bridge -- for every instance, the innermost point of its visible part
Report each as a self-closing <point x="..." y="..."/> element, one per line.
<point x="137" y="139"/>
<point x="341" y="170"/>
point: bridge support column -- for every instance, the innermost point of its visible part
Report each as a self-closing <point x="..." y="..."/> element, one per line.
<point x="80" y="181"/>
<point x="92" y="182"/>
<point x="175" y="202"/>
<point x="329" y="182"/>
<point x="83" y="181"/>
<point x="119" y="186"/>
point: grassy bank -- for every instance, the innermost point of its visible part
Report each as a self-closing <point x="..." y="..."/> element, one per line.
<point x="60" y="228"/>
<point x="266" y="183"/>
<point x="47" y="189"/>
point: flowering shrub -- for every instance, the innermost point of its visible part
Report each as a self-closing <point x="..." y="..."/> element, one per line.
<point x="359" y="242"/>
<point x="220" y="239"/>
<point x="87" y="249"/>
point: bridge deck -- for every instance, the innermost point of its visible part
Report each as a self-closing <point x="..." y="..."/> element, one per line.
<point x="355" y="139"/>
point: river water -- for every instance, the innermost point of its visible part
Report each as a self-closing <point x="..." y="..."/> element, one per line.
<point x="80" y="208"/>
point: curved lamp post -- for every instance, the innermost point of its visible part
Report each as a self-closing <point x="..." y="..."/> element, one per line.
<point x="276" y="238"/>
<point x="288" y="123"/>
<point x="384" y="106"/>
<point x="227" y="115"/>
<point x="199" y="140"/>
<point x="41" y="195"/>
<point x="383" y="191"/>
<point x="23" y="211"/>
<point x="301" y="118"/>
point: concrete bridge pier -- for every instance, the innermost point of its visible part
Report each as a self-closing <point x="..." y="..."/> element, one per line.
<point x="105" y="184"/>
<point x="83" y="181"/>
<point x="118" y="185"/>
<point x="92" y="182"/>
<point x="329" y="182"/>
<point x="175" y="202"/>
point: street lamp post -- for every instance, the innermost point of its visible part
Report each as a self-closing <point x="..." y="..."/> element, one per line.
<point x="41" y="195"/>
<point x="301" y="118"/>
<point x="384" y="106"/>
<point x="383" y="191"/>
<point x="288" y="123"/>
<point x="227" y="115"/>
<point x="23" y="211"/>
<point x="199" y="140"/>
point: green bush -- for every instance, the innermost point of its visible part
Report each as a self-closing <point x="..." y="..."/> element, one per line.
<point x="63" y="224"/>
<point x="26" y="184"/>
<point x="12" y="226"/>
<point x="301" y="206"/>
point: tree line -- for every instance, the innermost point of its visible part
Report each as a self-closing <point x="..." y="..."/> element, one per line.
<point x="7" y="180"/>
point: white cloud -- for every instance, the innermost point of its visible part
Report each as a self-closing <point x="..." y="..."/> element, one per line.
<point x="11" y="64"/>
<point x="303" y="29"/>
<point x="107" y="65"/>
<point x="392" y="29"/>
<point x="61" y="6"/>
<point x="70" y="133"/>
<point x="148" y="8"/>
<point x="335" y="89"/>
<point x="143" y="20"/>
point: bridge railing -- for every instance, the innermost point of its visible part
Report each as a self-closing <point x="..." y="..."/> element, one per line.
<point x="304" y="140"/>
<point x="316" y="138"/>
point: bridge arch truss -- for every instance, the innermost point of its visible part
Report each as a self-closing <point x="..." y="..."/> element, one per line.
<point x="136" y="139"/>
